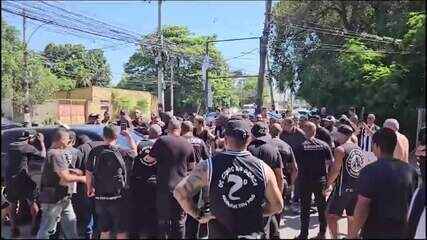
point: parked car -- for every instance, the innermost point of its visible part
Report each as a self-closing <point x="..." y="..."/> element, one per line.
<point x="302" y="112"/>
<point x="210" y="118"/>
<point x="94" y="132"/>
<point x="7" y="124"/>
<point x="274" y="115"/>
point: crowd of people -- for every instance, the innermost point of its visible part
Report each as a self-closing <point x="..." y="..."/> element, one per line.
<point x="232" y="179"/>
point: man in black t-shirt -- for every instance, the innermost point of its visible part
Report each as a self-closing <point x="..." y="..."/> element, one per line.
<point x="314" y="155"/>
<point x="19" y="186"/>
<point x="143" y="185"/>
<point x="85" y="206"/>
<point x="290" y="168"/>
<point x="262" y="148"/>
<point x="321" y="132"/>
<point x="173" y="154"/>
<point x="111" y="208"/>
<point x="201" y="153"/>
<point x="385" y="188"/>
<point x="201" y="131"/>
<point x="200" y="149"/>
<point x="293" y="136"/>
<point x="242" y="188"/>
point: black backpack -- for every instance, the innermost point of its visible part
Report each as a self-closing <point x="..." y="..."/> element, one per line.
<point x="110" y="173"/>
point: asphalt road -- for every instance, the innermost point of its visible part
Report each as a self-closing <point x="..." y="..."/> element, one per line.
<point x="289" y="228"/>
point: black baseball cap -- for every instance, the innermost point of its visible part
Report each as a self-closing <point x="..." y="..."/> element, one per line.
<point x="345" y="129"/>
<point x="260" y="129"/>
<point x="27" y="134"/>
<point x="237" y="128"/>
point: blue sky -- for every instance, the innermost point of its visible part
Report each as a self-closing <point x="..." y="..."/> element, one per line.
<point x="226" y="19"/>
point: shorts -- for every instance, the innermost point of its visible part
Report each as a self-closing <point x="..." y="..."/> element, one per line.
<point x="337" y="204"/>
<point x="112" y="215"/>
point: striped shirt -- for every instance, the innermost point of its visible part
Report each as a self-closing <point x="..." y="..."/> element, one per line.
<point x="417" y="215"/>
<point x="365" y="140"/>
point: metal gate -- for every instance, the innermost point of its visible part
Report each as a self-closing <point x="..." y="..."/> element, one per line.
<point x="72" y="111"/>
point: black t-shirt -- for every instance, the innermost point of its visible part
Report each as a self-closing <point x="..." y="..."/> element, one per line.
<point x="173" y="154"/>
<point x="294" y="139"/>
<point x="286" y="153"/>
<point x="81" y="162"/>
<point x="389" y="183"/>
<point x="236" y="192"/>
<point x="200" y="148"/>
<point x="313" y="155"/>
<point x="324" y="135"/>
<point x="19" y="155"/>
<point x="263" y="149"/>
<point x="85" y="150"/>
<point x="202" y="135"/>
<point x="143" y="178"/>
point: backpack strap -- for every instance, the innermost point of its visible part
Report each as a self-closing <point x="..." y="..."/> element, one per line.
<point x="121" y="161"/>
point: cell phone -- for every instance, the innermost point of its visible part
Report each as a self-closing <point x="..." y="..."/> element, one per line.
<point x="123" y="126"/>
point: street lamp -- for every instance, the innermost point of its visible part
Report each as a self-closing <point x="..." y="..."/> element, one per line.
<point x="27" y="108"/>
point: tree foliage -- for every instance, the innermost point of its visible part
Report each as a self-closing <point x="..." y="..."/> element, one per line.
<point x="387" y="79"/>
<point x="76" y="66"/>
<point x="186" y="59"/>
<point x="42" y="82"/>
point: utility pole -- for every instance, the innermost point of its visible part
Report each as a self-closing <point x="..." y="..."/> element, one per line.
<point x="159" y="60"/>
<point x="205" y="76"/>
<point x="270" y="81"/>
<point x="26" y="82"/>
<point x="263" y="53"/>
<point x="171" y="94"/>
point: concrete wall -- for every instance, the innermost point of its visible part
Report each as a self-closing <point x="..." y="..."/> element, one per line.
<point x="79" y="93"/>
<point x="95" y="95"/>
<point x="42" y="112"/>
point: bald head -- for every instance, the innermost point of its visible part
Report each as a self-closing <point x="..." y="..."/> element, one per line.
<point x="275" y="129"/>
<point x="392" y="124"/>
<point x="61" y="138"/>
<point x="155" y="131"/>
<point x="309" y="129"/>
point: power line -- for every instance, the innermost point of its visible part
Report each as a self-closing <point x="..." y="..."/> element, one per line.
<point x="63" y="26"/>
<point x="340" y="34"/>
<point x="353" y="51"/>
<point x="363" y="34"/>
<point x="242" y="55"/>
<point x="84" y="16"/>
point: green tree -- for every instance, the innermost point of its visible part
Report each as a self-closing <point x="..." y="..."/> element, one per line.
<point x="187" y="53"/>
<point x="42" y="82"/>
<point x="389" y="84"/>
<point x="77" y="66"/>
